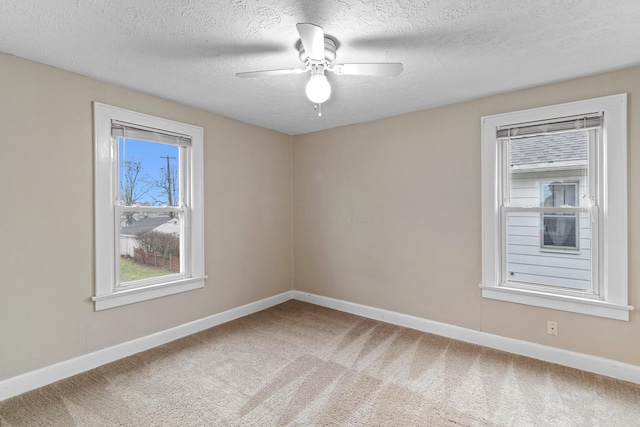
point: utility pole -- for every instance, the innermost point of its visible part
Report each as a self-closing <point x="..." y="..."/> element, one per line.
<point x="169" y="183"/>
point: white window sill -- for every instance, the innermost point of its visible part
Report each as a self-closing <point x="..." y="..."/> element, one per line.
<point x="558" y="302"/>
<point x="130" y="296"/>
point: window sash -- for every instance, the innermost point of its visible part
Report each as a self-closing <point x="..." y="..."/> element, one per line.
<point x="151" y="209"/>
<point x="542" y="210"/>
<point x="182" y="209"/>
<point x="119" y="130"/>
<point x="504" y="280"/>
<point x="183" y="174"/>
<point x="504" y="192"/>
<point x="185" y="271"/>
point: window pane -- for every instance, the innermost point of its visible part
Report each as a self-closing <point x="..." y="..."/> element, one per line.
<point x="549" y="170"/>
<point x="529" y="263"/>
<point x="149" y="245"/>
<point x="148" y="173"/>
<point x="560" y="231"/>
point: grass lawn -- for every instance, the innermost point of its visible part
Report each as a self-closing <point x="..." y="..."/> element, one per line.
<point x="130" y="270"/>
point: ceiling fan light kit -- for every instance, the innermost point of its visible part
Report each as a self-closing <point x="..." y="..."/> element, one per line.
<point x="318" y="89"/>
<point x="318" y="52"/>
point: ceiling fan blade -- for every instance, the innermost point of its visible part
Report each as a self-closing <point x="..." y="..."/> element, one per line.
<point x="376" y="69"/>
<point x="281" y="72"/>
<point x="312" y="38"/>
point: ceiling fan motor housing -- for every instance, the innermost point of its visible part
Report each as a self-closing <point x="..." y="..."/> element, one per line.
<point x="329" y="51"/>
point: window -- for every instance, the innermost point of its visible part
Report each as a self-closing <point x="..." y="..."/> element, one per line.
<point x="148" y="207"/>
<point x="554" y="214"/>
<point x="559" y="230"/>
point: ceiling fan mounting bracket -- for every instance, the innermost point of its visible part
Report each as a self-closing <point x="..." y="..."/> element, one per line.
<point x="330" y="47"/>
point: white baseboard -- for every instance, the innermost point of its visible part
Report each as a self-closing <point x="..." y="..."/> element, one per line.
<point x="585" y="362"/>
<point x="50" y="374"/>
<point x="59" y="371"/>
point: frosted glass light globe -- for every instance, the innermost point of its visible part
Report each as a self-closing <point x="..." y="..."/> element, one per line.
<point x="318" y="89"/>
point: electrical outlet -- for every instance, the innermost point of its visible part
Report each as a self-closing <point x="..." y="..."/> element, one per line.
<point x="552" y="327"/>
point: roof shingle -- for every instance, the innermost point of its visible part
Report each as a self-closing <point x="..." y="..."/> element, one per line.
<point x="565" y="147"/>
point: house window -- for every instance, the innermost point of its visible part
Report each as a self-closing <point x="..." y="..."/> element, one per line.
<point x="148" y="207"/>
<point x="554" y="207"/>
<point x="559" y="230"/>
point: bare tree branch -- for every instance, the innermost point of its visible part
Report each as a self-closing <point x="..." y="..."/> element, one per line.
<point x="134" y="184"/>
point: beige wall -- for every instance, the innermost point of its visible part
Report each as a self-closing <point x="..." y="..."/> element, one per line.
<point x="46" y="226"/>
<point x="387" y="214"/>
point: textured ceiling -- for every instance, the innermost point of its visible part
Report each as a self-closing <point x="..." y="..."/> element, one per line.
<point x="452" y="50"/>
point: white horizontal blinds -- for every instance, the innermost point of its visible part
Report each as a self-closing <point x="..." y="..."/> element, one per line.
<point x="128" y="130"/>
<point x="562" y="124"/>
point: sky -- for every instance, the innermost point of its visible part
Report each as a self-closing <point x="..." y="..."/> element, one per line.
<point x="151" y="154"/>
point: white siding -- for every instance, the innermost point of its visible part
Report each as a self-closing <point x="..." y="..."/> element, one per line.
<point x="527" y="261"/>
<point x="170" y="227"/>
<point x="127" y="244"/>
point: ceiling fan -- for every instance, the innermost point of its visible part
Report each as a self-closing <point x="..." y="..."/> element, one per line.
<point x="317" y="52"/>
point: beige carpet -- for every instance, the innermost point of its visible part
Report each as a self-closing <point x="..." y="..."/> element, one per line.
<point x="299" y="364"/>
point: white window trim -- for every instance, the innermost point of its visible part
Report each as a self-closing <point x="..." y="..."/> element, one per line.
<point x="105" y="227"/>
<point x="613" y="261"/>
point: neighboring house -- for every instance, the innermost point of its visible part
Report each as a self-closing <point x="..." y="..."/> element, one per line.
<point x="170" y="227"/>
<point x="160" y="223"/>
<point x="550" y="248"/>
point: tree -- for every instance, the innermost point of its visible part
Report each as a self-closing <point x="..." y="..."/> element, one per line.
<point x="158" y="243"/>
<point x="134" y="184"/>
